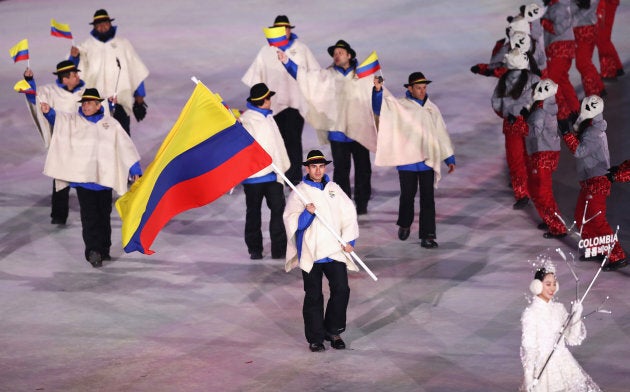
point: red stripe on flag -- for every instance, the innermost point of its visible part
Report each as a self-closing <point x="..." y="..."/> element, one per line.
<point x="199" y="191"/>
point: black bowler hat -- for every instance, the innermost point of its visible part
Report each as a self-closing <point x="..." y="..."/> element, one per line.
<point x="282" y="21"/>
<point x="258" y="92"/>
<point x="101" y="16"/>
<point x="91" y="94"/>
<point x="66" y="66"/>
<point x="344" y="45"/>
<point x="315" y="157"/>
<point x="417" y="78"/>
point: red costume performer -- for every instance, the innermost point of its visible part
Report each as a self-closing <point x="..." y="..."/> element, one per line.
<point x="590" y="149"/>
<point x="585" y="30"/>
<point x="512" y="99"/>
<point x="560" y="50"/>
<point x="543" y="147"/>
<point x="609" y="63"/>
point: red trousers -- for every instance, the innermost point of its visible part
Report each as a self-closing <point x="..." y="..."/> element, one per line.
<point x="541" y="166"/>
<point x="595" y="190"/>
<point x="516" y="155"/>
<point x="609" y="62"/>
<point x="559" y="58"/>
<point x="585" y="40"/>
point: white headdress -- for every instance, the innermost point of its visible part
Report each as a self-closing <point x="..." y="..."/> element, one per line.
<point x="520" y="40"/>
<point x="533" y="12"/>
<point x="515" y="59"/>
<point x="544" y="89"/>
<point x="543" y="265"/>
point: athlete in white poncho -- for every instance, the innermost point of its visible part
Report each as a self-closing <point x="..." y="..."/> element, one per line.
<point x="412" y="136"/>
<point x="111" y="65"/>
<point x="90" y="151"/>
<point x="339" y="109"/>
<point x="289" y="106"/>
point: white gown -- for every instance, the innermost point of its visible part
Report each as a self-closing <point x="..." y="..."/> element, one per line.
<point x="542" y="322"/>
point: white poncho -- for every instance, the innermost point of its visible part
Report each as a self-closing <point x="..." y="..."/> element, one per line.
<point x="409" y="133"/>
<point x="83" y="151"/>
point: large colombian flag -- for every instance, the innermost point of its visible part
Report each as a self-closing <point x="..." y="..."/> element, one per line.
<point x="205" y="155"/>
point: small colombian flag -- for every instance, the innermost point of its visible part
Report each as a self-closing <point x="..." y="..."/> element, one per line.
<point x="276" y="36"/>
<point x="23" y="87"/>
<point x="20" y="51"/>
<point x="369" y="66"/>
<point x="60" y="30"/>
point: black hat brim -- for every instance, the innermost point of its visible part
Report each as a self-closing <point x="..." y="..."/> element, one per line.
<point x="104" y="20"/>
<point x="411" y="84"/>
<point x="331" y="50"/>
<point x="316" y="161"/>
<point x="271" y="94"/>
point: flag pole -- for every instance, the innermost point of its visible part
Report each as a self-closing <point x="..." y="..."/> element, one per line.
<point x="324" y="222"/>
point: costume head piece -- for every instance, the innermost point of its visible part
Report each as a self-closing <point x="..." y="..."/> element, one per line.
<point x="544" y="89"/>
<point x="520" y="40"/>
<point x="515" y="59"/>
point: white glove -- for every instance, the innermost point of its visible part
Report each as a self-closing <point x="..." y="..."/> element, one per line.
<point x="577" y="309"/>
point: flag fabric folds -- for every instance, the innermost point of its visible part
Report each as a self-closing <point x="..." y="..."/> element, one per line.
<point x="60" y="29"/>
<point x="369" y="66"/>
<point x="20" y="51"/>
<point x="23" y="87"/>
<point x="206" y="153"/>
<point x="276" y="36"/>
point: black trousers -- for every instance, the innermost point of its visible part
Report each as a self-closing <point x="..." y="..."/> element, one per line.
<point x="123" y="118"/>
<point x="60" y="201"/>
<point x="96" y="209"/>
<point x="409" y="184"/>
<point x="341" y="154"/>
<point x="274" y="194"/>
<point x="291" y="124"/>
<point x="317" y="322"/>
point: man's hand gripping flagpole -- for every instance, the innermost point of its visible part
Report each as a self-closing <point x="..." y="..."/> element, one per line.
<point x="324" y="222"/>
<point x="344" y="243"/>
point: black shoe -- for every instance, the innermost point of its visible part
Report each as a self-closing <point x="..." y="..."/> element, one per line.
<point x="549" y="234"/>
<point x="621" y="72"/>
<point x="403" y="233"/>
<point x="521" y="203"/>
<point x="361" y="210"/>
<point x="316" y="347"/>
<point x="107" y="257"/>
<point x="278" y="256"/>
<point x="614" y="266"/>
<point x="95" y="259"/>
<point x="603" y="93"/>
<point x="336" y="342"/>
<point x="542" y="226"/>
<point x="428" y="243"/>
<point x="255" y="255"/>
<point x="58" y="221"/>
<point x="598" y="258"/>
